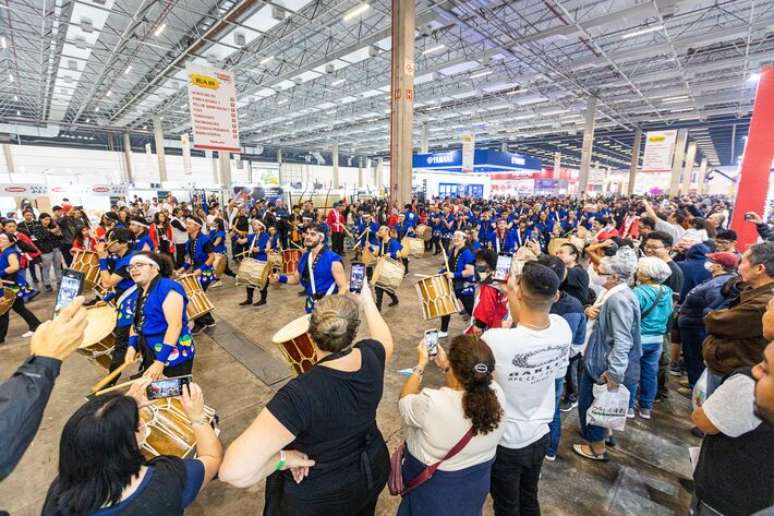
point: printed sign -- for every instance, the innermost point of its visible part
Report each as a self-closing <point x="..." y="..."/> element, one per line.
<point x="659" y="148"/>
<point x="468" y="152"/>
<point x="23" y="189"/>
<point x="212" y="101"/>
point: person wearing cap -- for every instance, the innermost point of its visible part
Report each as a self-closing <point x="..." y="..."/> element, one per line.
<point x="699" y="301"/>
<point x="320" y="271"/>
<point x="200" y="255"/>
<point x="159" y="331"/>
<point x="142" y="239"/>
<point x="256" y="246"/>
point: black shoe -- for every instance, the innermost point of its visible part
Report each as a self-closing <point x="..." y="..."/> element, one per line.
<point x="246" y="302"/>
<point x="260" y="302"/>
<point x="393" y="303"/>
<point x="662" y="395"/>
<point x="197" y="328"/>
<point x="610" y="441"/>
<point x="568" y="405"/>
<point x="210" y="324"/>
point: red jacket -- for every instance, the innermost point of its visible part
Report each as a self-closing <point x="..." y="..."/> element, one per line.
<point x="490" y="310"/>
<point x="77" y="246"/>
<point x="28" y="250"/>
<point x="336" y="221"/>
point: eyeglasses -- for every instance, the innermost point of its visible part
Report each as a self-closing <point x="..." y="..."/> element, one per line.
<point x="133" y="266"/>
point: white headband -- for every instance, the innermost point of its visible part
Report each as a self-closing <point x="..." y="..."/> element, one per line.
<point x="190" y="219"/>
<point x="142" y="258"/>
<point x="138" y="223"/>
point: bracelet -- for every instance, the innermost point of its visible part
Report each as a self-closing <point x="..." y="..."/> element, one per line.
<point x="418" y="371"/>
<point x="103" y="264"/>
<point x="283" y="279"/>
<point x="281" y="463"/>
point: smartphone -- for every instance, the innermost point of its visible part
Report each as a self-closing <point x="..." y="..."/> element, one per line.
<point x="748" y="216"/>
<point x="168" y="387"/>
<point x="70" y="288"/>
<point x="357" y="277"/>
<point x="431" y="341"/>
<point x="503" y="268"/>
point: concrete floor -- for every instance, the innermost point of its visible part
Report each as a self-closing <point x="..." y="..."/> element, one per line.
<point x="642" y="477"/>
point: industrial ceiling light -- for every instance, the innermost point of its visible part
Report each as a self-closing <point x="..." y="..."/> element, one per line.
<point x="96" y="109"/>
<point x="646" y="30"/>
<point x="267" y="60"/>
<point x="752" y="78"/>
<point x="675" y="99"/>
<point x="340" y="81"/>
<point x="681" y="110"/>
<point x="10" y="77"/>
<point x="109" y="93"/>
<point x="355" y="12"/>
<point x="18" y="113"/>
<point x="3" y="42"/>
<point x="159" y="30"/>
<point x="481" y="74"/>
<point x="434" y="49"/>
<point x="128" y="69"/>
<point x="16" y="98"/>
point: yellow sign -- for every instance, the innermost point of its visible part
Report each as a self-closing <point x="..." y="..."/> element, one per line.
<point x="205" y="81"/>
<point x="657" y="138"/>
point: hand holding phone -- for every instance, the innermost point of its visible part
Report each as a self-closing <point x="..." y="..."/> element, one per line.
<point x="70" y="288"/>
<point x="168" y="387"/>
<point x="503" y="268"/>
<point x="431" y="342"/>
<point x="357" y="277"/>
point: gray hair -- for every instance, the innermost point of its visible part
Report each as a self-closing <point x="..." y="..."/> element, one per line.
<point x="622" y="264"/>
<point x="654" y="268"/>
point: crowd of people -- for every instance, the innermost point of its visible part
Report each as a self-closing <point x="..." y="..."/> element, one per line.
<point x="604" y="298"/>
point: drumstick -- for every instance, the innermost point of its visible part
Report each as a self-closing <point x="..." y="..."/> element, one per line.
<point x="423" y="276"/>
<point x="7" y="282"/>
<point x="111" y="389"/>
<point x="297" y="246"/>
<point x="445" y="259"/>
<point x="111" y="376"/>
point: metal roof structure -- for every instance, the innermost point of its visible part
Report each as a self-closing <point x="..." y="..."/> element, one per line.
<point x="311" y="73"/>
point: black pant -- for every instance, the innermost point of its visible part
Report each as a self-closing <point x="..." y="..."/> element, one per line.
<point x="515" y="476"/>
<point x="337" y="241"/>
<point x="121" y="344"/>
<point x="436" y="242"/>
<point x="179" y="255"/>
<point x="206" y="319"/>
<point x="66" y="254"/>
<point x="33" y="272"/>
<point x="18" y="307"/>
<point x="380" y="295"/>
<point x="251" y="290"/>
<point x="571" y="378"/>
<point x="467" y="303"/>
<point x="405" y="265"/>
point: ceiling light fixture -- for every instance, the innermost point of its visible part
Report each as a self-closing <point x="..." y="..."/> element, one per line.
<point x="340" y="81"/>
<point x="145" y="127"/>
<point x="266" y="60"/>
<point x="16" y="98"/>
<point x="96" y="109"/>
<point x="646" y="30"/>
<point x="88" y="120"/>
<point x="109" y="93"/>
<point x="18" y="113"/>
<point x="481" y="74"/>
<point x="434" y="49"/>
<point x="128" y="69"/>
<point x="159" y="30"/>
<point x="357" y="11"/>
<point x="3" y="42"/>
<point x="675" y="99"/>
<point x="754" y="77"/>
<point x="681" y="110"/>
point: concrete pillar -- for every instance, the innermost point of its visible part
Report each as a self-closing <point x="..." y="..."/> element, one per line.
<point x="677" y="163"/>
<point x="280" y="173"/>
<point x="402" y="113"/>
<point x="211" y="156"/>
<point x="702" y="186"/>
<point x="158" y="136"/>
<point x="224" y="168"/>
<point x="557" y="164"/>
<point x="360" y="171"/>
<point x="690" y="157"/>
<point x="127" y="158"/>
<point x="635" y="163"/>
<point x="424" y="146"/>
<point x="335" y="161"/>
<point x="249" y="165"/>
<point x="9" y="160"/>
<point x="588" y="143"/>
<point x="378" y="173"/>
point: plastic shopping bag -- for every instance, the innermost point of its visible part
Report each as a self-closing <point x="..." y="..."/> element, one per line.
<point x="699" y="391"/>
<point x="609" y="407"/>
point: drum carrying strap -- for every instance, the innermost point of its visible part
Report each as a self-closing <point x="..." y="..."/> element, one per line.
<point x="128" y="292"/>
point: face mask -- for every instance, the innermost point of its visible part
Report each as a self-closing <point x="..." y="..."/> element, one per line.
<point x="708" y="266"/>
<point x="599" y="280"/>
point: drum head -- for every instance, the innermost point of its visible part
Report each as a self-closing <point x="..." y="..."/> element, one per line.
<point x="292" y="330"/>
<point x="100" y="321"/>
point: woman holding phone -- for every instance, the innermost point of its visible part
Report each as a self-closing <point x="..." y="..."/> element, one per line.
<point x="160" y="328"/>
<point x="102" y="471"/>
<point x="340" y="461"/>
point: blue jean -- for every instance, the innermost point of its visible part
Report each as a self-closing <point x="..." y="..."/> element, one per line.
<point x="556" y="425"/>
<point x="692" y="339"/>
<point x="648" y="386"/>
<point x="591" y="433"/>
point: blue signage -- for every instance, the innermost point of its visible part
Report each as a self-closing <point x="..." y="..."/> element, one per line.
<point x="483" y="161"/>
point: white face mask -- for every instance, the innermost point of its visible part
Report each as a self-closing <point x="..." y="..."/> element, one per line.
<point x="598" y="280"/>
<point x="708" y="266"/>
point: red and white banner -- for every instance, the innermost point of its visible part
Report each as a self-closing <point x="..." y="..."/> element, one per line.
<point x="212" y="100"/>
<point x="23" y="189"/>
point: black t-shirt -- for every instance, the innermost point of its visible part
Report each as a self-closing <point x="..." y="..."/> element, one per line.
<point x="330" y="412"/>
<point x="675" y="280"/>
<point x="577" y="284"/>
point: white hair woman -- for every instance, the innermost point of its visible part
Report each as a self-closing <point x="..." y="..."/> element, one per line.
<point x="655" y="312"/>
<point x="614" y="349"/>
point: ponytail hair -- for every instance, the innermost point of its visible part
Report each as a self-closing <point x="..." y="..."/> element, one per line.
<point x="473" y="363"/>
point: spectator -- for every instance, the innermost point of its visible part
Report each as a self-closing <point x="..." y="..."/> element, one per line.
<point x="672" y="226"/>
<point x="614" y="349"/>
<point x="342" y="437"/>
<point x="70" y="224"/>
<point x="32" y="229"/>
<point x="766" y="231"/>
<point x="84" y="241"/>
<point x="529" y="389"/>
<point x="576" y="283"/>
<point x="725" y="242"/>
<point x="438" y="418"/>
<point x="51" y="256"/>
<point x="700" y="301"/>
<point x="102" y="470"/>
<point x="24" y="396"/>
<point x="764" y="378"/>
<point x="693" y="268"/>
<point x="645" y="226"/>
<point x="491" y="308"/>
<point x="655" y="302"/>
<point x="735" y="335"/>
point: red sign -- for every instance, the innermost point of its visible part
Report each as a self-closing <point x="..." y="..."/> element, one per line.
<point x="100" y="189"/>
<point x="15" y="189"/>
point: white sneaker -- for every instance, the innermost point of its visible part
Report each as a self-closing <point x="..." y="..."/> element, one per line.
<point x="216" y="284"/>
<point x="630" y="414"/>
<point x="443" y="334"/>
<point x="27" y="334"/>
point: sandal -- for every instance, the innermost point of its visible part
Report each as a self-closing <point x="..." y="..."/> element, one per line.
<point x="601" y="457"/>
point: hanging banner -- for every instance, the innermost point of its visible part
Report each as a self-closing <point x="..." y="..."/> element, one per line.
<point x="106" y="190"/>
<point x="212" y="101"/>
<point x="23" y="189"/>
<point x="185" y="143"/>
<point x="468" y="152"/>
<point x="659" y="148"/>
<point x="149" y="160"/>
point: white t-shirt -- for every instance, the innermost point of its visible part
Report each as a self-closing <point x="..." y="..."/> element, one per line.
<point x="526" y="364"/>
<point x="730" y="406"/>
<point x="436" y="422"/>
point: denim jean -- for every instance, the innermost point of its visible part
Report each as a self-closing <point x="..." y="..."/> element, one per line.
<point x="591" y="433"/>
<point x="692" y="338"/>
<point x="556" y="424"/>
<point x="515" y="477"/>
<point x="648" y="386"/>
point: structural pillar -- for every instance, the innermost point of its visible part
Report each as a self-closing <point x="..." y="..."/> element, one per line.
<point x="424" y="146"/>
<point x="690" y="157"/>
<point x="588" y="143"/>
<point x="402" y="91"/>
<point x="378" y="173"/>
<point x="635" y="163"/>
<point x="756" y="162"/>
<point x="9" y="161"/>
<point x="224" y="168"/>
<point x="335" y="160"/>
<point x="249" y="171"/>
<point x="158" y="136"/>
<point x="360" y="172"/>
<point x="700" y="177"/>
<point x="557" y="164"/>
<point x="211" y="156"/>
<point x="677" y="163"/>
<point x="280" y="174"/>
<point x="127" y="158"/>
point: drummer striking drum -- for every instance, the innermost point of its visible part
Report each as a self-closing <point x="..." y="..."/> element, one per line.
<point x="200" y="255"/>
<point x="257" y="244"/>
<point x="390" y="248"/>
<point x="320" y="271"/>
